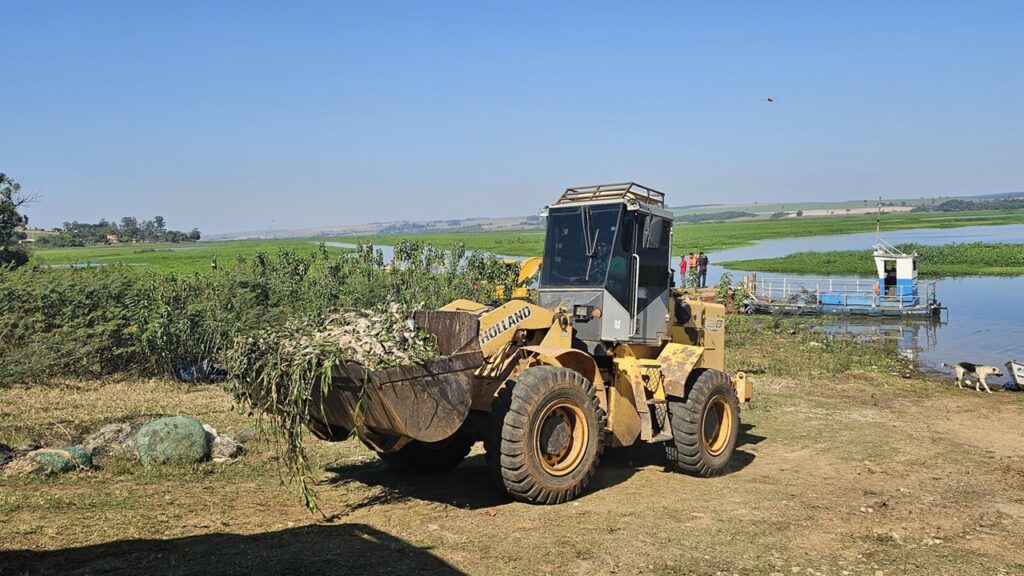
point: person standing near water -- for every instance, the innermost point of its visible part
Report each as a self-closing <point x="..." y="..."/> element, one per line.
<point x="683" y="261"/>
<point x="702" y="270"/>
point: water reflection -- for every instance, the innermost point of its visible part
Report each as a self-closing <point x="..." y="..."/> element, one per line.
<point x="910" y="336"/>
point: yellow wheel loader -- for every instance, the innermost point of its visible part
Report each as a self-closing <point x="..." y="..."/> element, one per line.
<point x="528" y="270"/>
<point x="611" y="355"/>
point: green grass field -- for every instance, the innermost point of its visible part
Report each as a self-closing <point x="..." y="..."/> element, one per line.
<point x="719" y="235"/>
<point x="771" y="207"/>
<point x="708" y="236"/>
<point x="974" y="259"/>
<point x="518" y="243"/>
<point x="180" y="258"/>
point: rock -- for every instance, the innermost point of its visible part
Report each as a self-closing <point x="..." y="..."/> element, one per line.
<point x="222" y="447"/>
<point x="225" y="448"/>
<point x="172" y="440"/>
<point x="112" y="439"/>
<point x="50" y="462"/>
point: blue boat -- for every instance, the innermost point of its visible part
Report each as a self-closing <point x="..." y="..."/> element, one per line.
<point x="896" y="292"/>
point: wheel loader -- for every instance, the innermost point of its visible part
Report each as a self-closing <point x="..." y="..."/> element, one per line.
<point x="610" y="355"/>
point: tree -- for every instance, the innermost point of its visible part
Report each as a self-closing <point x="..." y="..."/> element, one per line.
<point x="159" y="222"/>
<point x="799" y="213"/>
<point x="129" y="229"/>
<point x="148" y="231"/>
<point x="194" y="235"/>
<point x="11" y="200"/>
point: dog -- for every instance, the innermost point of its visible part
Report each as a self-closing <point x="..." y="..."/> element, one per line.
<point x="976" y="372"/>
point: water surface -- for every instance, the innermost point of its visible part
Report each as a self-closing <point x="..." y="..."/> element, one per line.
<point x="984" y="320"/>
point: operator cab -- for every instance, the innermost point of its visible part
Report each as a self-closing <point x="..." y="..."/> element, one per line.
<point x="607" y="261"/>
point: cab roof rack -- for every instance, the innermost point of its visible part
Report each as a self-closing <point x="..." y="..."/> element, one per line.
<point x="609" y="192"/>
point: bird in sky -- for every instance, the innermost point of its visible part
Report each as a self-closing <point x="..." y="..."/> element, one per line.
<point x="770" y="99"/>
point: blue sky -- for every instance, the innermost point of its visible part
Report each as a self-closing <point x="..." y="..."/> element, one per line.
<point x="245" y="116"/>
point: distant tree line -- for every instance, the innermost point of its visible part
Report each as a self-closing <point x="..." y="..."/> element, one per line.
<point x="726" y="215"/>
<point x="107" y="232"/>
<point x="958" y="205"/>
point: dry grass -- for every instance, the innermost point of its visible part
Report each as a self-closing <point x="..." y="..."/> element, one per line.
<point x="859" y="472"/>
<point x="62" y="412"/>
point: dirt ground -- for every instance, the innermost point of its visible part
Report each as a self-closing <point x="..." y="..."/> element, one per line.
<point x="865" y="473"/>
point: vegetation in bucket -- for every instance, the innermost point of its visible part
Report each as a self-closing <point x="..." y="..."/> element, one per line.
<point x="275" y="370"/>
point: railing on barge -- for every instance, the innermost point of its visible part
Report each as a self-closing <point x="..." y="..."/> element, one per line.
<point x="858" y="292"/>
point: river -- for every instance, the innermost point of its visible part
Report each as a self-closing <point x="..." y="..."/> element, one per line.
<point x="984" y="320"/>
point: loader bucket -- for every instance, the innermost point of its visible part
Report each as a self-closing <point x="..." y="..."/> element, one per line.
<point x="426" y="402"/>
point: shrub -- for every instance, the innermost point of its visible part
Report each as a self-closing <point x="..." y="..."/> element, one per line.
<point x="118" y="319"/>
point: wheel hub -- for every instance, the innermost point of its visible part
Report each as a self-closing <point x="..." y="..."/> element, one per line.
<point x="561" y="437"/>
<point x="554" y="435"/>
<point x="717" y="425"/>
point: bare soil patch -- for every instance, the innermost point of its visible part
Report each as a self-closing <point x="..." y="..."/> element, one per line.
<point x="851" y="475"/>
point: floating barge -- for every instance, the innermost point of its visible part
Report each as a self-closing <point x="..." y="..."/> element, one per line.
<point x="897" y="292"/>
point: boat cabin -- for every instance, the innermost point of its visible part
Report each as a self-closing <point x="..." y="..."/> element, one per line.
<point x="897" y="276"/>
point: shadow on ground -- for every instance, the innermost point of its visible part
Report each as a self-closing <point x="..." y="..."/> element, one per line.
<point x="316" y="549"/>
<point x="742" y="458"/>
<point x="470" y="485"/>
<point x="619" y="464"/>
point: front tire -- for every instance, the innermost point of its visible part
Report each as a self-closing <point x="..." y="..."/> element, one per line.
<point x="547" y="435"/>
<point x="705" y="424"/>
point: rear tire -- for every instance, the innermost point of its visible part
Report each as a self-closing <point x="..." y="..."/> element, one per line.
<point x="547" y="435"/>
<point x="430" y="458"/>
<point x="705" y="424"/>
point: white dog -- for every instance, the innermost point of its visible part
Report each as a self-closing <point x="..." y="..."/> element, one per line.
<point x="976" y="372"/>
